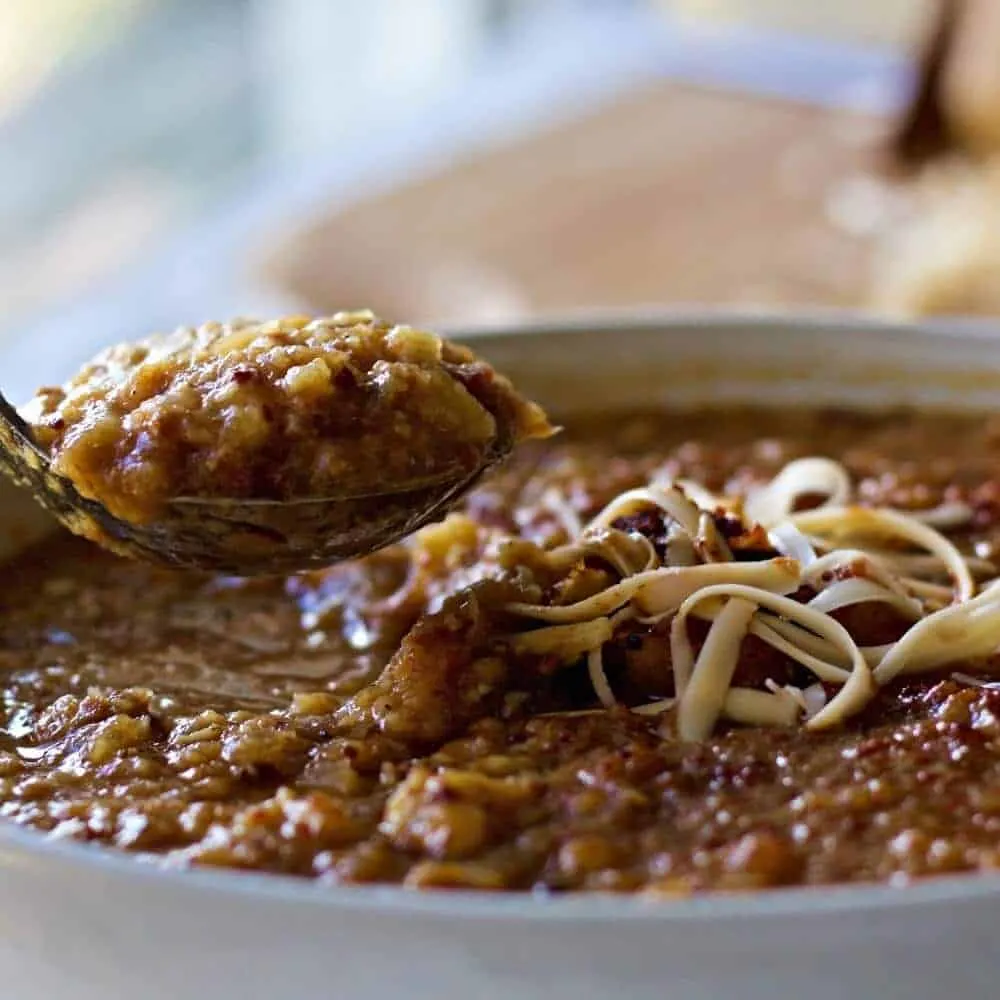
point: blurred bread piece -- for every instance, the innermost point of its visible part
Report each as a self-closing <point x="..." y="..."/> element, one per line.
<point x="945" y="256"/>
<point x="942" y="254"/>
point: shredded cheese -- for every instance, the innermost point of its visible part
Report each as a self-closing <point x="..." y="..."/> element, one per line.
<point x="773" y="503"/>
<point x="829" y="558"/>
<point x="773" y="632"/>
<point x="751" y="707"/>
<point x="626" y="553"/>
<point x="566" y="641"/>
<point x="697" y="494"/>
<point x="845" y="523"/>
<point x="944" y="516"/>
<point x="964" y="631"/>
<point x="595" y="667"/>
<point x="661" y="591"/>
<point x="789" y="541"/>
<point x="857" y="590"/>
<point x="671" y="501"/>
<point x="705" y="692"/>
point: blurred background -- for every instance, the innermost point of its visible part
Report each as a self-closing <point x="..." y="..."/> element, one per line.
<point x="455" y="161"/>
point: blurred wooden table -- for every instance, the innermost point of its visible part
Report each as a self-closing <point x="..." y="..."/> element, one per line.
<point x="670" y="195"/>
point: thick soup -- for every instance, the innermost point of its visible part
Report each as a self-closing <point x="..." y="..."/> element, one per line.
<point x="658" y="652"/>
<point x="343" y="405"/>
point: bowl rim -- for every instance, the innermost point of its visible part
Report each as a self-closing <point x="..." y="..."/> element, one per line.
<point x="27" y="849"/>
<point x="813" y="321"/>
<point x="24" y="848"/>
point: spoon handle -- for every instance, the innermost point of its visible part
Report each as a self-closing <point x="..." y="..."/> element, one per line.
<point x="17" y="447"/>
<point x="14" y="430"/>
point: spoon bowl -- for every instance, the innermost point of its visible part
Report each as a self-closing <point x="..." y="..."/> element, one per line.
<point x="240" y="536"/>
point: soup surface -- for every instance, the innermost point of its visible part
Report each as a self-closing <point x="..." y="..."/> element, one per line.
<point x="254" y="724"/>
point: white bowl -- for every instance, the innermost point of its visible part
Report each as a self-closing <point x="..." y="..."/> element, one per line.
<point x="88" y="923"/>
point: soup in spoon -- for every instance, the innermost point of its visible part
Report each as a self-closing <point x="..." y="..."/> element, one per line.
<point x="341" y="406"/>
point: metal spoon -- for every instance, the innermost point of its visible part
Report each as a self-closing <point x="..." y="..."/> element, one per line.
<point x="241" y="537"/>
